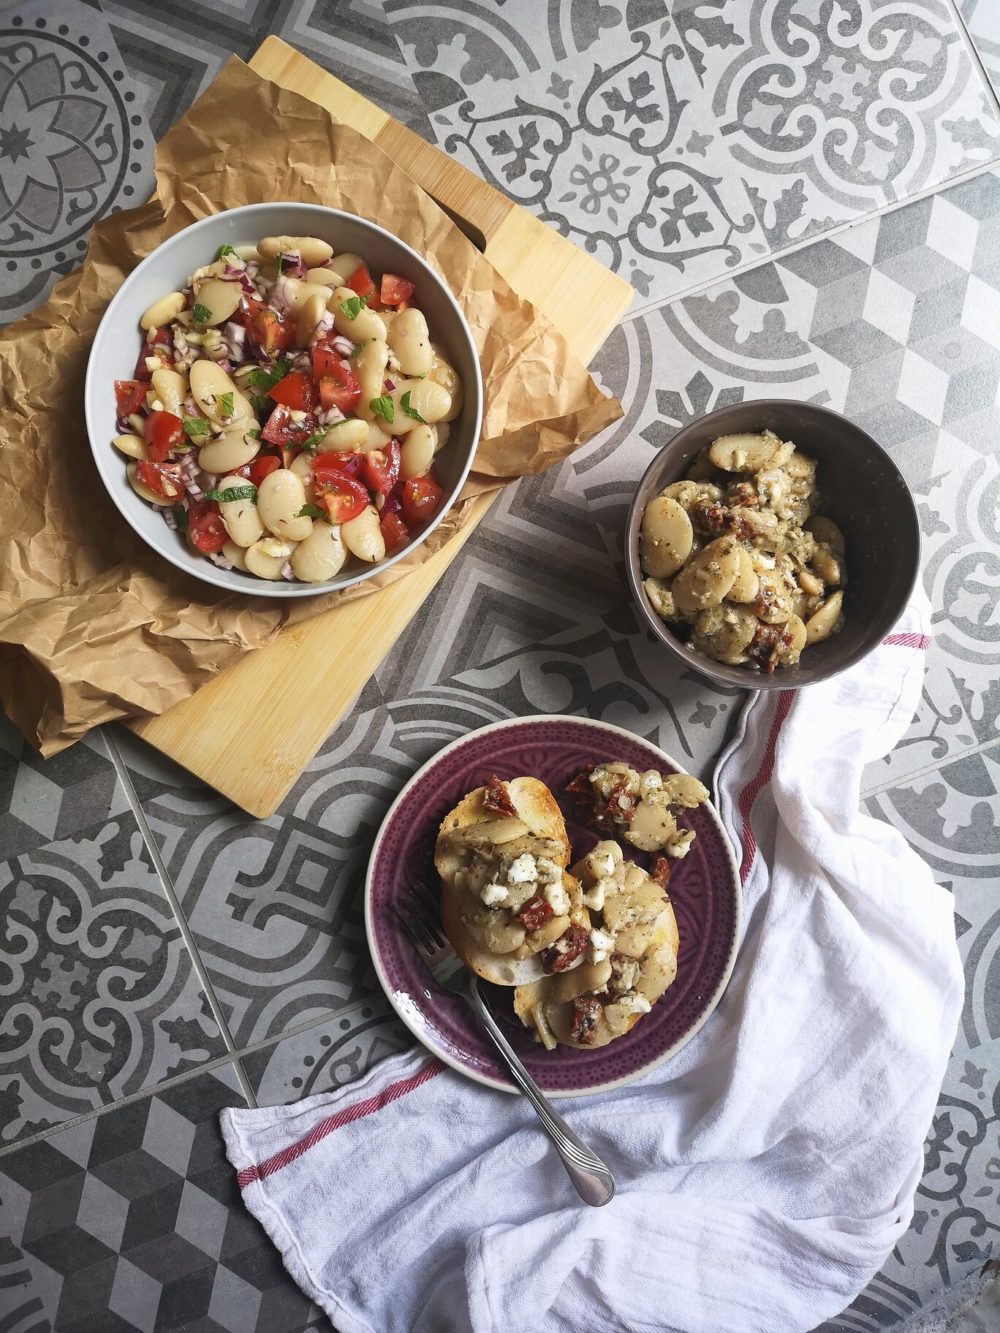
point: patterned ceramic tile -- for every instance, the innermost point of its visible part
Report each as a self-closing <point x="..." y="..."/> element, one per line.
<point x="131" y="1221"/>
<point x="45" y="799"/>
<point x="99" y="996"/>
<point x="326" y="1056"/>
<point x="982" y="18"/>
<point x="623" y="156"/>
<point x="74" y="144"/>
<point x="952" y="817"/>
<point x="673" y="141"/>
<point x="173" y="48"/>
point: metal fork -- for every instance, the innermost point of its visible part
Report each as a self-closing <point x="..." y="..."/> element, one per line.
<point x="417" y="913"/>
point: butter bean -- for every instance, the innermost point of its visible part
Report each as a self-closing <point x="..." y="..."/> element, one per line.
<point x="417" y="452"/>
<point x="410" y="341"/>
<point x="365" y="324"/>
<point x="230" y="451"/>
<point x="313" y="252"/>
<point x="666" y="537"/>
<point x="348" y="435"/>
<point x="426" y="398"/>
<point x="746" y="582"/>
<point x="170" y="388"/>
<point x="344" y="265"/>
<point x="706" y="579"/>
<point x="241" y="519"/>
<point x="143" y="491"/>
<point x="321" y="555"/>
<point x="821" y="625"/>
<point x="236" y="556"/>
<point x="446" y="375"/>
<point x="267" y="557"/>
<point x="744" y="453"/>
<point x="307" y="316"/>
<point x="369" y="367"/>
<point x="209" y="382"/>
<point x="132" y="446"/>
<point x="363" y="536"/>
<point x="220" y="298"/>
<point x="162" y="311"/>
<point x="280" y="496"/>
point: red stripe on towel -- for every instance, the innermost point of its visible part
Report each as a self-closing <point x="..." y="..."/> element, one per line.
<point x="337" y="1121"/>
<point x="908" y="640"/>
<point x="760" y="779"/>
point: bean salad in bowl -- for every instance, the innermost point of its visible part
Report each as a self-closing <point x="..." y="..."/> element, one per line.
<point x="286" y="409"/>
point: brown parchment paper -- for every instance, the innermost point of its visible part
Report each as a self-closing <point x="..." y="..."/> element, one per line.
<point x="95" y="626"/>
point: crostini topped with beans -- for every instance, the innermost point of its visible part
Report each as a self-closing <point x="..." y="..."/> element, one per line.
<point x="286" y="409"/>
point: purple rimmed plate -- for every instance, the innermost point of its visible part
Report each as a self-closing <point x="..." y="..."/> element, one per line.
<point x="704" y="890"/>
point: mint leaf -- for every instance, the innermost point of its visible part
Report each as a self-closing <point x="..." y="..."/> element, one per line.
<point x="253" y="434"/>
<point x="267" y="379"/>
<point x="356" y="349"/>
<point x="225" y="404"/>
<point x="309" y="511"/>
<point x="353" y="306"/>
<point x="247" y="492"/>
<point x="180" y="517"/>
<point x="200" y="313"/>
<point x="404" y="403"/>
<point x="315" y="440"/>
<point x="195" y="427"/>
<point x="382" y="407"/>
<point x="223" y="251"/>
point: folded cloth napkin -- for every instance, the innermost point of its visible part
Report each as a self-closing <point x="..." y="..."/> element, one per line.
<point x="764" y="1174"/>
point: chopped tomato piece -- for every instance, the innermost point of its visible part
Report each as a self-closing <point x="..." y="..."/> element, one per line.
<point x="163" y="432"/>
<point x="283" y="431"/>
<point x="340" y="388"/>
<point x="206" y="530"/>
<point x="296" y="390"/>
<point x="343" y="497"/>
<point x="333" y="464"/>
<point x="247" y="308"/>
<point x="269" y="329"/>
<point x="159" y="343"/>
<point x="262" y="466"/>
<point x="380" y="468"/>
<point x="159" y="479"/>
<point x="421" y="498"/>
<point x="130" y="396"/>
<point x="394" y="532"/>
<point x="395" y="289"/>
<point x="324" y="358"/>
<point x="361" y="283"/>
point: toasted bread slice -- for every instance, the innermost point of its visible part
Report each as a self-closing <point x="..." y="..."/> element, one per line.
<point x="470" y="841"/>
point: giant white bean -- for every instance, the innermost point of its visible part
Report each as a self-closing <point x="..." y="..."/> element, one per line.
<point x="410" y="340"/>
<point x="428" y="400"/>
<point x="369" y="367"/>
<point x="235" y="555"/>
<point x="267" y="557"/>
<point x="162" y="311"/>
<point x="363" y="536"/>
<point x="209" y="383"/>
<point x="170" y="388"/>
<point x="417" y="452"/>
<point x="378" y="436"/>
<point x="240" y="517"/>
<point x="308" y="315"/>
<point x="132" y="446"/>
<point x="321" y="555"/>
<point x="346" y="436"/>
<point x="365" y="324"/>
<point x="313" y="252"/>
<point x="445" y="374"/>
<point x="344" y="266"/>
<point x="231" y="450"/>
<point x="280" y="497"/>
<point x="142" y="490"/>
<point x="220" y="298"/>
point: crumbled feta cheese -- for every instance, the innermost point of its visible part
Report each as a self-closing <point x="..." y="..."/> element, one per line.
<point x="634" y="1004"/>
<point x="650" y="781"/>
<point x="557" y="898"/>
<point x="594" y="898"/>
<point x="681" y="844"/>
<point x="603" y="863"/>
<point x="601" y="945"/>
<point x="547" y="871"/>
<point x="523" y="870"/>
<point x="494" y="894"/>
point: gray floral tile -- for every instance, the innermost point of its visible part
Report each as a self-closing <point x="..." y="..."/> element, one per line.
<point x="131" y="1221"/>
<point x="829" y="113"/>
<point x="74" y="144"/>
<point x="982" y="18"/>
<point x="619" y="151"/>
<point x="99" y="996"/>
<point x="326" y="1056"/>
<point x="952" y="817"/>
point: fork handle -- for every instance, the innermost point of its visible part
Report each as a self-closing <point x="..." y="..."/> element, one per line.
<point x="593" y="1180"/>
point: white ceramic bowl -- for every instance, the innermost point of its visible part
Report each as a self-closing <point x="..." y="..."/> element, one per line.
<point x="118" y="339"/>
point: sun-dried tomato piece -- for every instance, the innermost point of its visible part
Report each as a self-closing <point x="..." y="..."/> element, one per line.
<point x="567" y="948"/>
<point x="583" y="1025"/>
<point x="659" y="870"/>
<point x="581" y="784"/>
<point x="534" y="913"/>
<point x="496" y="799"/>
<point x="766" y="645"/>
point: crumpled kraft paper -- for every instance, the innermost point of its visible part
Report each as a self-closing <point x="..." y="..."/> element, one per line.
<point x="95" y="626"/>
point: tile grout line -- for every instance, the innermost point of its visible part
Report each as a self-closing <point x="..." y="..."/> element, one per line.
<point x="125" y="778"/>
<point x="776" y="256"/>
<point x="973" y="53"/>
<point x="219" y="1062"/>
<point x="935" y="767"/>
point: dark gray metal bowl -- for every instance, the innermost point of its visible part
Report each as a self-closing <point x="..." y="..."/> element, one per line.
<point x="860" y="488"/>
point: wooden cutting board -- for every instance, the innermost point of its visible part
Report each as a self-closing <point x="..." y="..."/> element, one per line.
<point x="237" y="732"/>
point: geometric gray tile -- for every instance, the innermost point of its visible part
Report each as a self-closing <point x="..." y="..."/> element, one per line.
<point x="983" y="22"/>
<point x="100" y="998"/>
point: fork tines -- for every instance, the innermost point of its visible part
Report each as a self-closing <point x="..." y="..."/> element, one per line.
<point x="418" y="913"/>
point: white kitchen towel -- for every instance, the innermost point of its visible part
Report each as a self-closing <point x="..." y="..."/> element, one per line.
<point x="764" y="1174"/>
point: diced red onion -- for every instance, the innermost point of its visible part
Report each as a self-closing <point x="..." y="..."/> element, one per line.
<point x="281" y="296"/>
<point x="287" y="572"/>
<point x="217" y="558"/>
<point x="233" y="272"/>
<point x="168" y="518"/>
<point x="392" y="504"/>
<point x="291" y="263"/>
<point x="329" y="416"/>
<point x="234" y="333"/>
<point x="225" y="364"/>
<point x="390" y="385"/>
<point x="342" y="345"/>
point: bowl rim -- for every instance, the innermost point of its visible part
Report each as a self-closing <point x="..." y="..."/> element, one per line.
<point x="105" y="455"/>
<point x="719" y="672"/>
